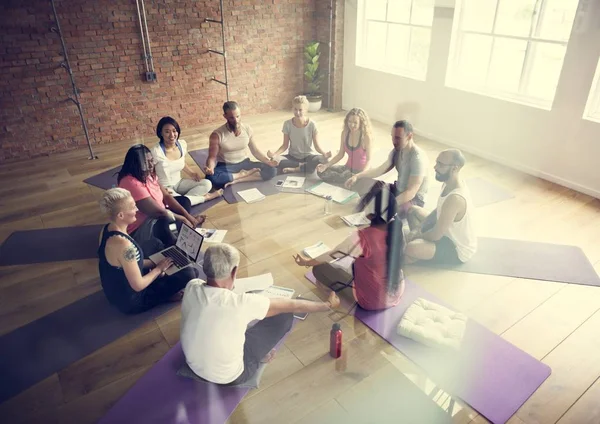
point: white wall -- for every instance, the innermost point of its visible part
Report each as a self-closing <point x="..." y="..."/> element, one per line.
<point x="557" y="145"/>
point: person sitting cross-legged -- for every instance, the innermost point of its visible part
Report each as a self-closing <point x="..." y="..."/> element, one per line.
<point x="446" y="235"/>
<point x="300" y="135"/>
<point x="228" y="162"/>
<point x="217" y="343"/>
<point x="374" y="287"/>
<point x="131" y="283"/>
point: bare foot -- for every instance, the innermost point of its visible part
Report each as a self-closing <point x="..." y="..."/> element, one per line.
<point x="176" y="297"/>
<point x="229" y="184"/>
<point x="200" y="219"/>
<point x="291" y="170"/>
<point x="245" y="172"/>
<point x="270" y="356"/>
<point x="214" y="194"/>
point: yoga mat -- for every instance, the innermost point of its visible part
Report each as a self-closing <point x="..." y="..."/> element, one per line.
<point x="35" y="351"/>
<point x="104" y="180"/>
<point x="528" y="259"/>
<point x="485" y="193"/>
<point x="203" y="207"/>
<point x="50" y="245"/>
<point x="267" y="188"/>
<point x="199" y="157"/>
<point x="494" y="377"/>
<point x="161" y="396"/>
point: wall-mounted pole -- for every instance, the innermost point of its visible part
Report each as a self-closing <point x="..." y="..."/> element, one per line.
<point x="223" y="52"/>
<point x="67" y="65"/>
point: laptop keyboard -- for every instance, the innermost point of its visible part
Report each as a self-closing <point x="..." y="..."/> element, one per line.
<point x="179" y="259"/>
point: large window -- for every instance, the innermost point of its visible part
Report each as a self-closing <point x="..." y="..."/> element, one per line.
<point x="592" y="109"/>
<point x="394" y="36"/>
<point x="511" y="49"/>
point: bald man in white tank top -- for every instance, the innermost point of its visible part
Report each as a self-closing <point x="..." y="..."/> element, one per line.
<point x="447" y="234"/>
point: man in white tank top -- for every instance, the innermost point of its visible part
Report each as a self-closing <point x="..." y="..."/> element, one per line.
<point x="447" y="234"/>
<point x="228" y="162"/>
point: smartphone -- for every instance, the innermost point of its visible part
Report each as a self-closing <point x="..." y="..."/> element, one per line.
<point x="301" y="315"/>
<point x="279" y="183"/>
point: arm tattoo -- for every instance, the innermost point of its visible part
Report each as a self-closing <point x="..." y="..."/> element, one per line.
<point x="130" y="254"/>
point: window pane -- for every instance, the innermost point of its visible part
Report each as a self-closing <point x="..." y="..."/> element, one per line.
<point x="375" y="45"/>
<point x="546" y="64"/>
<point x="397" y="48"/>
<point x="474" y="56"/>
<point x="557" y="19"/>
<point x="399" y="11"/>
<point x="419" y="50"/>
<point x="515" y="17"/>
<point x="507" y="64"/>
<point x="375" y="9"/>
<point x="422" y="12"/>
<point x="478" y="15"/>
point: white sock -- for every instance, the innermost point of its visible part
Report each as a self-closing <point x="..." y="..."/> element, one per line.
<point x="196" y="200"/>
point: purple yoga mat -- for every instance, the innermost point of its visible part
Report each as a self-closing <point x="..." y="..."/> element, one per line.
<point x="199" y="157"/>
<point x="50" y="245"/>
<point x="494" y="377"/>
<point x="104" y="180"/>
<point x="35" y="351"/>
<point x="161" y="396"/>
<point x="203" y="207"/>
<point x="267" y="188"/>
<point x="528" y="259"/>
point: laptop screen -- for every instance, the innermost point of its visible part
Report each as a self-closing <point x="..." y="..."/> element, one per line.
<point x="189" y="241"/>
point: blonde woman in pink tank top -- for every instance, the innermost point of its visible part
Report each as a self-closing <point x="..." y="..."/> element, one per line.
<point x="355" y="143"/>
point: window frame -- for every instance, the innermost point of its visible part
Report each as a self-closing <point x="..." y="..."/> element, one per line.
<point x="362" y="38"/>
<point x="458" y="34"/>
<point x="592" y="106"/>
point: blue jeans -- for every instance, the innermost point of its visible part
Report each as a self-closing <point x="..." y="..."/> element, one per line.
<point x="223" y="172"/>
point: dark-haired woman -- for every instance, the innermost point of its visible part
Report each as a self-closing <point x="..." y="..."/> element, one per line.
<point x="157" y="208"/>
<point x="372" y="289"/>
<point x="169" y="154"/>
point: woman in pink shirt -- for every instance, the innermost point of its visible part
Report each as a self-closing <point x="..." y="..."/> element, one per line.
<point x="356" y="143"/>
<point x="157" y="209"/>
<point x="372" y="247"/>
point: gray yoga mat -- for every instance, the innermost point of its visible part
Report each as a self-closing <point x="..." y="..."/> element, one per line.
<point x="104" y="180"/>
<point x="528" y="259"/>
<point x="50" y="245"/>
<point x="485" y="193"/>
<point x="35" y="351"/>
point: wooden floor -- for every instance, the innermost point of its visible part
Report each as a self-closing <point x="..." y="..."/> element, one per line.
<point x="556" y="323"/>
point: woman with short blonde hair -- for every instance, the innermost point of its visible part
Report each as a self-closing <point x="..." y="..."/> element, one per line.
<point x="131" y="283"/>
<point x="299" y="135"/>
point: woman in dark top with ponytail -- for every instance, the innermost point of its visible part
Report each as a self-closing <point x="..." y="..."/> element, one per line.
<point x="378" y="280"/>
<point x="131" y="283"/>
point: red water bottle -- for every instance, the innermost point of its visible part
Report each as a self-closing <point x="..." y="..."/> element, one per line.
<point x="335" y="341"/>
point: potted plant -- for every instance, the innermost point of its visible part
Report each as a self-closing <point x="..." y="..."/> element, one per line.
<point x="312" y="75"/>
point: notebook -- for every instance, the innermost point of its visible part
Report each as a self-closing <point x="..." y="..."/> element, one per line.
<point x="258" y="282"/>
<point x="356" y="219"/>
<point x="276" y="291"/>
<point x="316" y="250"/>
<point x="338" y="194"/>
<point x="212" y="235"/>
<point x="251" y="195"/>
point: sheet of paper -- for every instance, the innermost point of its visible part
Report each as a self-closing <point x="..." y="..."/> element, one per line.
<point x="212" y="235"/>
<point x="257" y="282"/>
<point x="276" y="291"/>
<point x="356" y="219"/>
<point x="293" y="182"/>
<point x="251" y="195"/>
<point x="316" y="250"/>
<point x="338" y="194"/>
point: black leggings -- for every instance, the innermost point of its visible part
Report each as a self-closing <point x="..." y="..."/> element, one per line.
<point x="161" y="290"/>
<point x="154" y="233"/>
<point x="307" y="165"/>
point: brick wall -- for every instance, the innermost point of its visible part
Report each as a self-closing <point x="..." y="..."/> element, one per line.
<point x="264" y="42"/>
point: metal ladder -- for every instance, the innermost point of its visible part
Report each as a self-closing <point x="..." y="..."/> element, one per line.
<point x="222" y="52"/>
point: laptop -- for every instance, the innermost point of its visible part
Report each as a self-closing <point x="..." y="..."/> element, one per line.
<point x="185" y="252"/>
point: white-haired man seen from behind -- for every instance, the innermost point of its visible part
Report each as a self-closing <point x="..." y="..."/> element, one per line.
<point x="216" y="340"/>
